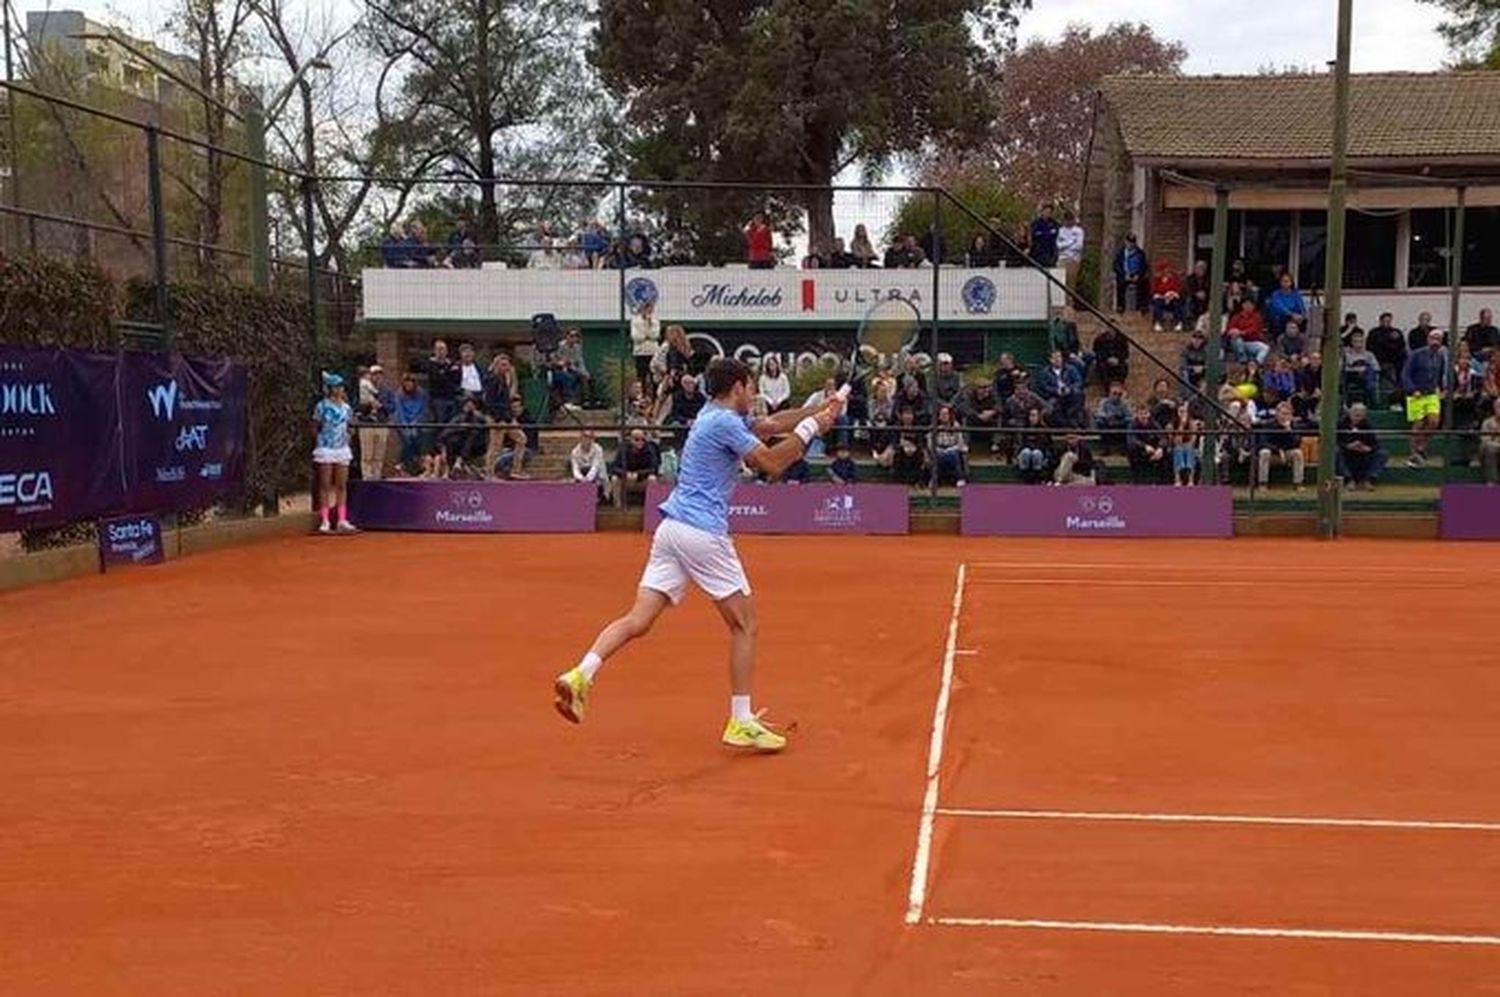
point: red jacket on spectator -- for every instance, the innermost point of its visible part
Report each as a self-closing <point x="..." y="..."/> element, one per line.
<point x="758" y="242"/>
<point x="1166" y="283"/>
<point x="1249" y="324"/>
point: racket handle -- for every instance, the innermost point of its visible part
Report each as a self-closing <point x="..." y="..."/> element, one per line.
<point x="843" y="393"/>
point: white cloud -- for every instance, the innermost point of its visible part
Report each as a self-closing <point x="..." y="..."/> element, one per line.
<point x="1229" y="36"/>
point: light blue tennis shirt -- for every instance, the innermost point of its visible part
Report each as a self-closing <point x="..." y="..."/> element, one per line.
<point x="716" y="446"/>
<point x="333" y="423"/>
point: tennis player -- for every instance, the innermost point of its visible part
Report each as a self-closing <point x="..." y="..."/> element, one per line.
<point x="692" y="541"/>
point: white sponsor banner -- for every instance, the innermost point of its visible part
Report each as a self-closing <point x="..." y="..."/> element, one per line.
<point x="694" y="294"/>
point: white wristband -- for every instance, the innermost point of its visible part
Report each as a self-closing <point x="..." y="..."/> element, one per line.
<point x="807" y="430"/>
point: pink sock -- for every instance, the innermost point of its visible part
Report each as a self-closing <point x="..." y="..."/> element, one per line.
<point x="343" y="512"/>
<point x="324" y="513"/>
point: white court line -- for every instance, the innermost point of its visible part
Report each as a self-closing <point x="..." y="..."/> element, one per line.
<point x="1101" y="815"/>
<point x="1140" y="928"/>
<point x="1337" y="572"/>
<point x="917" y="898"/>
<point x="1350" y="582"/>
<point x="967" y="650"/>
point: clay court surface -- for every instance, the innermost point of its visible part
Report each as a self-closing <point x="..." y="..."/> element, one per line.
<point x="331" y="767"/>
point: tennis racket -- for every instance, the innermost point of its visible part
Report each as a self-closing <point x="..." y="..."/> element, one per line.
<point x="888" y="329"/>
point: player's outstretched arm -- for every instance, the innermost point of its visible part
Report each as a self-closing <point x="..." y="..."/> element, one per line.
<point x="783" y="423"/>
<point x="774" y="459"/>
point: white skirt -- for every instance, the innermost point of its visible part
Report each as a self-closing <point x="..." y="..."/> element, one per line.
<point x="332" y="455"/>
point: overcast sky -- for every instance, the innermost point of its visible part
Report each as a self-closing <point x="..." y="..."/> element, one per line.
<point x="1222" y="36"/>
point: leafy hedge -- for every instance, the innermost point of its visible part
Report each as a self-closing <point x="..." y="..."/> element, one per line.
<point x="47" y="302"/>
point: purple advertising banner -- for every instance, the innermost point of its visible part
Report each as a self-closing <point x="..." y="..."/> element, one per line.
<point x="474" y="507"/>
<point x="817" y="508"/>
<point x="1469" y="512"/>
<point x="185" y="428"/>
<point x="87" y="434"/>
<point x="1109" y="511"/>
<point x="60" y="453"/>
<point x="125" y="540"/>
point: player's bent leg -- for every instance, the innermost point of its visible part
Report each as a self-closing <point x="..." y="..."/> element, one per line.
<point x="745" y="728"/>
<point x="571" y="688"/>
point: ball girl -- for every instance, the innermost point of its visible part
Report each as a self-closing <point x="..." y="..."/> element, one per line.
<point x="332" y="454"/>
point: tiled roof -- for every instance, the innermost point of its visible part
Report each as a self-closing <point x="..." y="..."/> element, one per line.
<point x="1394" y="115"/>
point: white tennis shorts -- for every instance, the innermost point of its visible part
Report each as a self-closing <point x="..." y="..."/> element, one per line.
<point x="681" y="553"/>
<point x="332" y="455"/>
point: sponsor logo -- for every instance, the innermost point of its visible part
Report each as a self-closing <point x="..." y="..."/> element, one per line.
<point x="26" y="491"/>
<point x="192" y="438"/>
<point x="27" y="399"/>
<point x="211" y="472"/>
<point x="837" y="511"/>
<point x="640" y="292"/>
<point x="1097" y="514"/>
<point x="168" y="475"/>
<point x="467" y="508"/>
<point x="166" y="399"/>
<point x="732" y="296"/>
<point x="466" y="500"/>
<point x="138" y="529"/>
<point x="468" y="517"/>
<point x="979" y="295"/>
<point x="870" y="295"/>
<point x="749" y="511"/>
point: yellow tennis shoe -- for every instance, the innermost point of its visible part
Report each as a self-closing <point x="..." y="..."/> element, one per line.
<point x="752" y="734"/>
<point x="572" y="692"/>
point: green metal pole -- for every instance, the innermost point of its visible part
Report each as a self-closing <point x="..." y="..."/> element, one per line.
<point x="1213" y="371"/>
<point x="1333" y="287"/>
<point x="255" y="138"/>
<point x="158" y="238"/>
<point x="1456" y="283"/>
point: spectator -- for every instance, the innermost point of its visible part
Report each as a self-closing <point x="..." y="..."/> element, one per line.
<point x="1247" y="387"/>
<point x="377" y="405"/>
<point x="1285" y="305"/>
<point x="913" y="400"/>
<point x="1280" y="378"/>
<point x="1186" y="456"/>
<point x="1292" y="342"/>
<point x="465" y="440"/>
<point x="470" y="381"/>
<point x="1034" y="452"/>
<point x="1130" y="277"/>
<point x="544" y="254"/>
<point x="758" y="248"/>
<point x="1361" y="370"/>
<point x="687" y="402"/>
<point x="393" y="248"/>
<point x="1195" y="357"/>
<point x="418" y="251"/>
<point x="946" y="383"/>
<point x="1483" y="337"/>
<point x="1468" y="379"/>
<point x="981" y="411"/>
<point x="571" y="349"/>
<point x="1416" y="339"/>
<point x="812" y="261"/>
<point x="1197" y="289"/>
<point x="677" y="355"/>
<point x="409" y="412"/>
<point x="932" y="246"/>
<point x="1017" y="409"/>
<point x="1246" y="333"/>
<point x="1238" y="286"/>
<point x="950" y="450"/>
<point x="1062" y="388"/>
<point x="909" y="460"/>
<point x="1166" y="297"/>
<point x="1070" y="239"/>
<point x="1007" y="375"/>
<point x="1349" y="328"/>
<point x="586" y="462"/>
<point x="1424" y="380"/>
<point x="595" y="243"/>
<point x="525" y="440"/>
<point x="1361" y="458"/>
<point x="1280" y="443"/>
<point x="645" y="336"/>
<point x="1491" y="387"/>
<point x="1062" y="334"/>
<point x="1112" y="415"/>
<point x="1044" y="230"/>
<point x="1278" y="271"/>
<point x="861" y="249"/>
<point x="1236" y="444"/>
<point x="1309" y="385"/>
<point x="635" y="465"/>
<point x="443" y="381"/>
<point x="899" y="255"/>
<point x="840" y="258"/>
<point x="1075" y="464"/>
<point x="637" y="252"/>
<point x="1389" y="346"/>
<point x="1014" y="254"/>
<point x="773" y="384"/>
<point x="842" y="470"/>
<point x="463" y="251"/>
<point x="564" y="386"/>
<point x="1146" y="448"/>
<point x="1111" y="356"/>
<point x="573" y="256"/>
<point x="1489" y="445"/>
<point x="500" y="386"/>
<point x="980" y="254"/>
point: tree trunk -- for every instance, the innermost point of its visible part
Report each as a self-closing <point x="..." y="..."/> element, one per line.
<point x="820" y="233"/>
<point x="489" y="215"/>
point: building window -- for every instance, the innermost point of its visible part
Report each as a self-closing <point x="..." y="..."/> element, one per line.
<point x="1369" y="250"/>
<point x="1203" y="235"/>
<point x="1266" y="243"/>
<point x="1482" y="247"/>
<point x="1427" y="260"/>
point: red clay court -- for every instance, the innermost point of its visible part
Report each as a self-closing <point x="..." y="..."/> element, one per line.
<point x="332" y="767"/>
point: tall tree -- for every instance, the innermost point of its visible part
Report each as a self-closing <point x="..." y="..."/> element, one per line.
<point x="494" y="89"/>
<point x="1473" y="31"/>
<point x="1046" y="100"/>
<point x="795" y="91"/>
